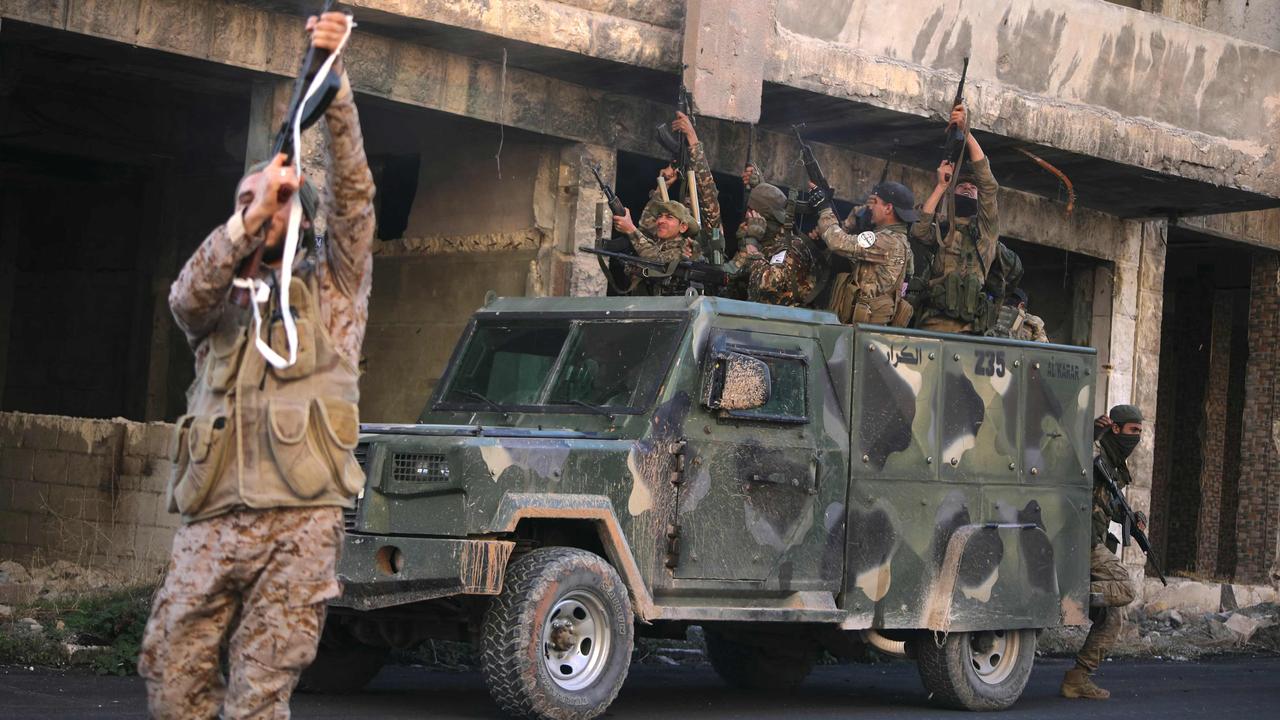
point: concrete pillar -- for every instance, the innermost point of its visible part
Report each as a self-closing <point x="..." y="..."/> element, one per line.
<point x="725" y="47"/>
<point x="1134" y="351"/>
<point x="1258" y="517"/>
<point x="565" y="199"/>
<point x="1212" y="441"/>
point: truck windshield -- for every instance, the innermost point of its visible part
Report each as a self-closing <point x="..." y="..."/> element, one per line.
<point x="540" y="364"/>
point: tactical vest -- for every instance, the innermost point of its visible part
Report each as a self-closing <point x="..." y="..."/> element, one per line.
<point x="958" y="292"/>
<point x="260" y="437"/>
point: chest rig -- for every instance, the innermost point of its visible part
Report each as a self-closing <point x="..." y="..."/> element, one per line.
<point x="959" y="276"/>
<point x="257" y="436"/>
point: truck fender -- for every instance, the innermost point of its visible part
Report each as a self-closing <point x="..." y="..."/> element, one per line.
<point x="970" y="571"/>
<point x="597" y="509"/>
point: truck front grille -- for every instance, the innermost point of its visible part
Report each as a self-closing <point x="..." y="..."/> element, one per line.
<point x="349" y="515"/>
<point x="417" y="467"/>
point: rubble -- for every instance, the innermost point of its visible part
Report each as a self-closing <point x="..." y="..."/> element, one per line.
<point x="20" y="585"/>
<point x="1154" y="631"/>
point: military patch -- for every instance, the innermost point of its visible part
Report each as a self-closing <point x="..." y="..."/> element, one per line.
<point x="866" y="239"/>
<point x="778" y="259"/>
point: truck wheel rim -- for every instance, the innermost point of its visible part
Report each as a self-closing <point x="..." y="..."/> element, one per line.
<point x="576" y="639"/>
<point x="994" y="654"/>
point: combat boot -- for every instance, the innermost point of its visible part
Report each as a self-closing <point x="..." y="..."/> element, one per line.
<point x="1077" y="684"/>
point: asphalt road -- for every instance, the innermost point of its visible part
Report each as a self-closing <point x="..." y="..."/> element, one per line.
<point x="1237" y="688"/>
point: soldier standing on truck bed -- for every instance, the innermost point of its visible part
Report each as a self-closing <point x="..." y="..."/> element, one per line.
<point x="1117" y="437"/>
<point x="264" y="462"/>
<point x="775" y="263"/>
<point x="954" y="300"/>
<point x="882" y="259"/>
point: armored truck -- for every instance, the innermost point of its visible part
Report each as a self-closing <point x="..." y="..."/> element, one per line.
<point x="590" y="469"/>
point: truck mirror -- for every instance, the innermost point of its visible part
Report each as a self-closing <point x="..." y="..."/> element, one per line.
<point x="737" y="382"/>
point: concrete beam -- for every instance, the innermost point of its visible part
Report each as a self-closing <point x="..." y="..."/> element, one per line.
<point x="1260" y="228"/>
<point x="618" y="31"/>
<point x="1086" y="76"/>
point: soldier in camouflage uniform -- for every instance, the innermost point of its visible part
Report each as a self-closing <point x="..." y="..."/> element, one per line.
<point x="774" y="263"/>
<point x="1117" y="436"/>
<point x="955" y="300"/>
<point x="674" y="232"/>
<point x="708" y="222"/>
<point x="882" y="259"/>
<point x="263" y="462"/>
<point x="1015" y="322"/>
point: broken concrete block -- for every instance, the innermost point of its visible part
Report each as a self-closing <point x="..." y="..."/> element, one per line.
<point x="6" y="612"/>
<point x="1242" y="627"/>
<point x="28" y="626"/>
<point x="1175" y="619"/>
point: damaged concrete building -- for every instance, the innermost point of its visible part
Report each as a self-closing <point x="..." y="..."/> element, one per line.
<point x="124" y="125"/>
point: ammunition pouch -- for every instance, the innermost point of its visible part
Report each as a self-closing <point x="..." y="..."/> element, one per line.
<point x="960" y="296"/>
<point x="902" y="314"/>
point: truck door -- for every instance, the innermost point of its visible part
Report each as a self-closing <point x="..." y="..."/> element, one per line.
<point x="751" y="504"/>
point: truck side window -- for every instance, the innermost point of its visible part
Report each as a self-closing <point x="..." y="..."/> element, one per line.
<point x="788" y="391"/>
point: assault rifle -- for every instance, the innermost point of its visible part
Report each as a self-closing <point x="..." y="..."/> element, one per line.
<point x="813" y="169"/>
<point x="1128" y="518"/>
<point x="283" y="143"/>
<point x="697" y="275"/>
<point x="615" y="205"/>
<point x="954" y="144"/>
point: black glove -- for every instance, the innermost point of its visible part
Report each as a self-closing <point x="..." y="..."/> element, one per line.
<point x="818" y="200"/>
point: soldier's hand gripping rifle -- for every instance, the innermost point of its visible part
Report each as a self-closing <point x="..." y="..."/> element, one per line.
<point x="675" y="144"/>
<point x="697" y="274"/>
<point x="311" y="112"/>
<point x="1128" y="518"/>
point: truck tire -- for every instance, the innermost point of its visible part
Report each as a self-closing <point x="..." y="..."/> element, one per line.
<point x="342" y="665"/>
<point x="556" y="642"/>
<point x="984" y="670"/>
<point x="763" y="663"/>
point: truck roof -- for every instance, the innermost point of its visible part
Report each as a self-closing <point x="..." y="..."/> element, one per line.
<point x="699" y="304"/>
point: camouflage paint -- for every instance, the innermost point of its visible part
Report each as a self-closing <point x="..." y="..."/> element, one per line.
<point x="930" y="480"/>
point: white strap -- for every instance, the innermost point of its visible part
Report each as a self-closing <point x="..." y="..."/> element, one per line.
<point x="259" y="291"/>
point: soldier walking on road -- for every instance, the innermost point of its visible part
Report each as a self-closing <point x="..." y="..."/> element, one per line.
<point x="263" y="460"/>
<point x="1117" y="437"/>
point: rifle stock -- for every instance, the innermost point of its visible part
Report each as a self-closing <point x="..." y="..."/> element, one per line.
<point x="692" y="272"/>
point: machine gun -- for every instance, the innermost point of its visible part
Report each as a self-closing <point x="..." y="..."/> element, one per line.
<point x="954" y="144"/>
<point x="1128" y="518"/>
<point x="283" y="143"/>
<point x="699" y="276"/>
<point x="615" y="205"/>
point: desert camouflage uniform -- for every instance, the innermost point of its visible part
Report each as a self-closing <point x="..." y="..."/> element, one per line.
<point x="1015" y="322"/>
<point x="1032" y="328"/>
<point x="247" y="547"/>
<point x="964" y="250"/>
<point x="878" y="270"/>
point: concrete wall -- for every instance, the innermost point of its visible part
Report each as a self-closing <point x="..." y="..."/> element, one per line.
<point x="1257" y="21"/>
<point x="87" y="491"/>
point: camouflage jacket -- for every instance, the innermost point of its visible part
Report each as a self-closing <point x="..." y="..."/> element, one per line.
<point x="881" y="265"/>
<point x="956" y="249"/>
<point x="199" y="296"/>
<point x="1031" y="328"/>
<point x="708" y="202"/>
<point x="653" y="248"/>
<point x="782" y="272"/>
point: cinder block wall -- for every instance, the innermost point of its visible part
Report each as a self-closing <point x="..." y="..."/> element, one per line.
<point x="87" y="491"/>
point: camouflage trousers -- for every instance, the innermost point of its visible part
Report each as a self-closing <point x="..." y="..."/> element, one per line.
<point x="1110" y="580"/>
<point x="271" y="569"/>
